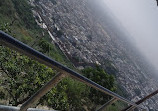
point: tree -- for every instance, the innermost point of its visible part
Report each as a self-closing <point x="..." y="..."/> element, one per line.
<point x="99" y="76"/>
<point x="24" y="11"/>
<point x="45" y="46"/>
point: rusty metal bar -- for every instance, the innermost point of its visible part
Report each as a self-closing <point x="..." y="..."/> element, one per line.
<point x="131" y="108"/>
<point x="14" y="44"/>
<point x="32" y="100"/>
<point x="103" y="108"/>
<point x="140" y="101"/>
<point x="12" y="108"/>
<point x="102" y="89"/>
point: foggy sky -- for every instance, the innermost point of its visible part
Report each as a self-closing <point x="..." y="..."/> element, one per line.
<point x="140" y="18"/>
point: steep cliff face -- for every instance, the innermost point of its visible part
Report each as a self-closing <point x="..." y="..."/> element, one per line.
<point x="88" y="33"/>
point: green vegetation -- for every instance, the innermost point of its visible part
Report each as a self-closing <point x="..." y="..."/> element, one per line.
<point x="118" y="106"/>
<point x="20" y="76"/>
<point x="109" y="67"/>
<point x="99" y="76"/>
<point x="26" y="16"/>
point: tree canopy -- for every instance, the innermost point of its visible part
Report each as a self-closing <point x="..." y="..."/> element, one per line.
<point x="99" y="76"/>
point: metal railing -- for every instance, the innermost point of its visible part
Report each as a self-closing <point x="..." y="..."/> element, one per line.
<point x="14" y="44"/>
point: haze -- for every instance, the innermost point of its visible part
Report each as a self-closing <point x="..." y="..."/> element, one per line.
<point x="140" y="18"/>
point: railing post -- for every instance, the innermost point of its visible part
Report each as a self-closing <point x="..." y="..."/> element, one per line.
<point x="131" y="108"/>
<point x="32" y="100"/>
<point x="102" y="108"/>
<point x="140" y="101"/>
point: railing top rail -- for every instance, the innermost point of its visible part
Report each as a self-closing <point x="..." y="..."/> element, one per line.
<point x="14" y="44"/>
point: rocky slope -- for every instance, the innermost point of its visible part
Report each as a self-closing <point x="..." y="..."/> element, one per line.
<point x="89" y="34"/>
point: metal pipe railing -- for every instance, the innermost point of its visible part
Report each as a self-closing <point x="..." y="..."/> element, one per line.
<point x="14" y="44"/>
<point x="141" y="100"/>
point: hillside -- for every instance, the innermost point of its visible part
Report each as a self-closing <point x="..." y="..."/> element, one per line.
<point x="88" y="35"/>
<point x="21" y="24"/>
<point x="20" y="77"/>
<point x="78" y="34"/>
